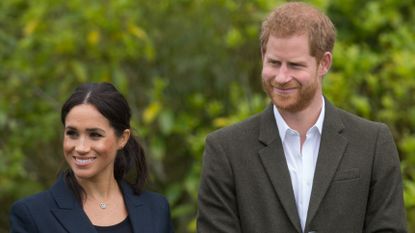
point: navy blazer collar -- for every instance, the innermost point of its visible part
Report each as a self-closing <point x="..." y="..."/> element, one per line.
<point x="139" y="213"/>
<point x="73" y="218"/>
<point x="69" y="211"/>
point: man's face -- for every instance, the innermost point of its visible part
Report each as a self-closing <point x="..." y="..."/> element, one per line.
<point x="290" y="75"/>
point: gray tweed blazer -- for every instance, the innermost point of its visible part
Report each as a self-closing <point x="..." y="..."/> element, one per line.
<point x="246" y="187"/>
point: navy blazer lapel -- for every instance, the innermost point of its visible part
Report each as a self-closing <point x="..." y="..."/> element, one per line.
<point x="139" y="214"/>
<point x="332" y="147"/>
<point x="275" y="164"/>
<point x="68" y="212"/>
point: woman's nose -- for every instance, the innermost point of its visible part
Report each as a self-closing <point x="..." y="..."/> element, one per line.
<point x="82" y="146"/>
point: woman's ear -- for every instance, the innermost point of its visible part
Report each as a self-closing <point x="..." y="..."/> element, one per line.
<point x="123" y="139"/>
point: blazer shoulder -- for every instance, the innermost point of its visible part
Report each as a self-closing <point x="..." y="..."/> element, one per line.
<point x="41" y="203"/>
<point x="23" y="212"/>
<point x="350" y="119"/>
<point x="357" y="127"/>
<point x="38" y="200"/>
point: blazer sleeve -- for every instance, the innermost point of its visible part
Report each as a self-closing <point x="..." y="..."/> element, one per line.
<point x="386" y="211"/>
<point x="217" y="208"/>
<point x="21" y="220"/>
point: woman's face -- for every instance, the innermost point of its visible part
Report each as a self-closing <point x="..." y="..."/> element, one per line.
<point x="90" y="144"/>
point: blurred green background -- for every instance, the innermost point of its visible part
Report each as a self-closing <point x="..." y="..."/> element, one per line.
<point x="187" y="67"/>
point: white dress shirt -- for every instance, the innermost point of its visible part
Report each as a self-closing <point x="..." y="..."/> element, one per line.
<point x="301" y="162"/>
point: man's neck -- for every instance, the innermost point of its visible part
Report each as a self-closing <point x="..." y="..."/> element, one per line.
<point x="303" y="120"/>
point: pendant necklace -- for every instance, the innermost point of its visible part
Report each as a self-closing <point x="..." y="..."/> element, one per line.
<point x="102" y="205"/>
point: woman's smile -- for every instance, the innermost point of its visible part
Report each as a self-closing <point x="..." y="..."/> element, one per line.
<point x="83" y="161"/>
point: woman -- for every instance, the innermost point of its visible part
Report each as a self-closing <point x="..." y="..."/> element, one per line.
<point x="92" y="195"/>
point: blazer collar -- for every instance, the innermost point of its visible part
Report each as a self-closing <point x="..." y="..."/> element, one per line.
<point x="69" y="211"/>
<point x="332" y="147"/>
<point x="138" y="212"/>
<point x="268" y="131"/>
<point x="274" y="162"/>
<point x="73" y="218"/>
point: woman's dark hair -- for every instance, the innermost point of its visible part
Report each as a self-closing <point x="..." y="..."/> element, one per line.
<point x="114" y="107"/>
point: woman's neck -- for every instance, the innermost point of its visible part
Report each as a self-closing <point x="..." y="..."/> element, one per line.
<point x="99" y="189"/>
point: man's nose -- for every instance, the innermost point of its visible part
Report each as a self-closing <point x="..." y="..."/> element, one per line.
<point x="283" y="74"/>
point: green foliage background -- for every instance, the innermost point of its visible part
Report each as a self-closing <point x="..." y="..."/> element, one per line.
<point x="187" y="67"/>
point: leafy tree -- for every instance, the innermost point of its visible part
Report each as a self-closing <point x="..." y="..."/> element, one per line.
<point x="187" y="68"/>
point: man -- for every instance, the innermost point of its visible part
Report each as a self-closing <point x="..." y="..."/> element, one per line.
<point x="302" y="165"/>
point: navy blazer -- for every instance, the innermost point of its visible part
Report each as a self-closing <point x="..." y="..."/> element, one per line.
<point x="57" y="211"/>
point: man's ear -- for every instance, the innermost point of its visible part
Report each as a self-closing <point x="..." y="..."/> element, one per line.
<point x="325" y="63"/>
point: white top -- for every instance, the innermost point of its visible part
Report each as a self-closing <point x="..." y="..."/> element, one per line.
<point x="301" y="163"/>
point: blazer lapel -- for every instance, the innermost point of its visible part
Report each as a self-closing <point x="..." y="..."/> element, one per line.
<point x="138" y="212"/>
<point x="68" y="212"/>
<point x="274" y="162"/>
<point x="332" y="147"/>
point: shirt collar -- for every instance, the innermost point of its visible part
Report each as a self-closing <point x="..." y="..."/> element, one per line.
<point x="283" y="127"/>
